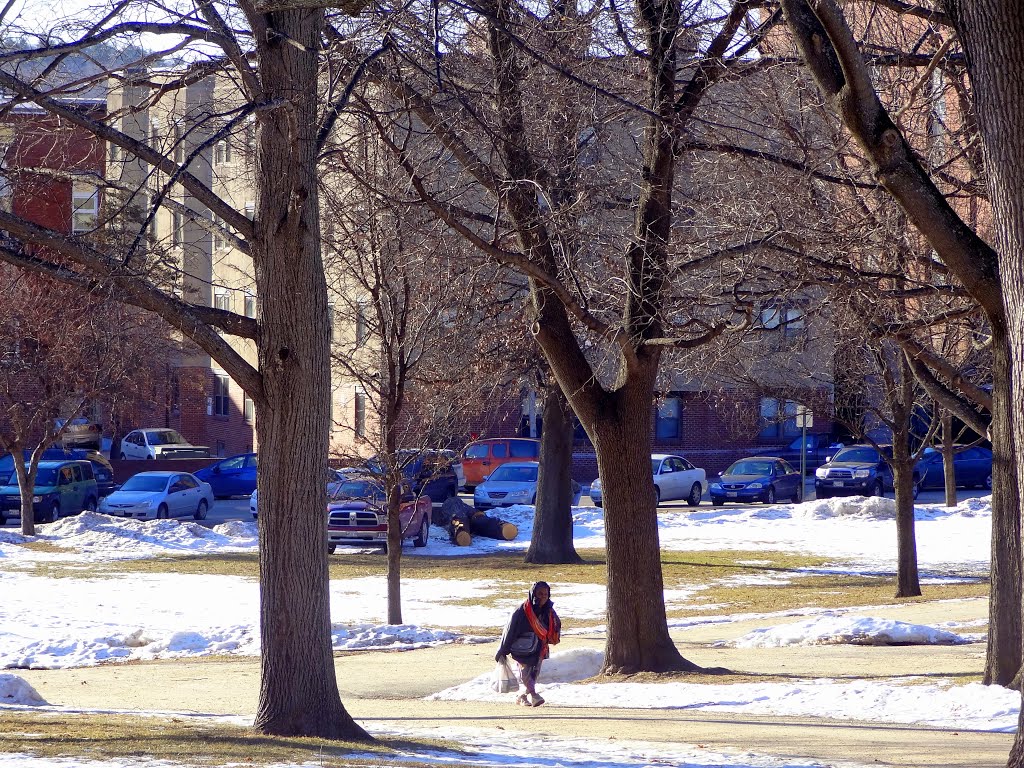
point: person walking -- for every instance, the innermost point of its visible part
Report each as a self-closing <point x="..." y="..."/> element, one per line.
<point x="533" y="627"/>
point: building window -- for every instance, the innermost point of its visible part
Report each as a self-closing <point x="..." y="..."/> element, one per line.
<point x="222" y="300"/>
<point x="794" y="322"/>
<point x="778" y="418"/>
<point x="250" y="305"/>
<point x="667" y="421"/>
<point x="250" y="210"/>
<point x="220" y="241"/>
<point x="360" y="414"/>
<point x="248" y="409"/>
<point x="222" y="449"/>
<point x="175" y="394"/>
<point x="177" y="228"/>
<point x="330" y="322"/>
<point x="221" y="399"/>
<point x="362" y="323"/>
<point x="222" y="153"/>
<point x="85" y="207"/>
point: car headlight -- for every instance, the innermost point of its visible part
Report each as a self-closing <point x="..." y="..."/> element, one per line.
<point x="862" y="473"/>
<point x="36" y="499"/>
<point x="596" y="485"/>
<point x="755" y="486"/>
<point x="821" y="472"/>
<point x="715" y="487"/>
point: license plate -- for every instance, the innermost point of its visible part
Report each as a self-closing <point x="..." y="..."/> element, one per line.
<point x="838" y="483"/>
<point x="731" y="494"/>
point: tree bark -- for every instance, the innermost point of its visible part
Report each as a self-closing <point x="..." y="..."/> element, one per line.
<point x="551" y="541"/>
<point x="948" y="456"/>
<point x="1005" y="633"/>
<point x="394" y="505"/>
<point x="908" y="583"/>
<point x="298" y="691"/>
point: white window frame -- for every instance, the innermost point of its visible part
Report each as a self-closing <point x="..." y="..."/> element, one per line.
<point x="85" y="207"/>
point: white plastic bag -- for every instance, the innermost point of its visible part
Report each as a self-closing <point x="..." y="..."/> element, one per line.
<point x="504" y="679"/>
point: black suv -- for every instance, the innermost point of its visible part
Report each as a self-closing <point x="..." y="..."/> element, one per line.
<point x="429" y="472"/>
<point x="858" y="470"/>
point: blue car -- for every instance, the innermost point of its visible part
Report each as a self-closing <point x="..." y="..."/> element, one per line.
<point x="759" y="478"/>
<point x="972" y="468"/>
<point x="234" y="476"/>
<point x="513" y="483"/>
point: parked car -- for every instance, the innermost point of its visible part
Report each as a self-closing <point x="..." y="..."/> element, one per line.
<point x="358" y="515"/>
<point x="61" y="488"/>
<point x="513" y="483"/>
<point x="482" y="457"/>
<point x="972" y="468"/>
<point x="234" y="476"/>
<point x="858" y="470"/>
<point x="80" y="432"/>
<point x="759" y="478"/>
<point x="818" y="449"/>
<point x="674" y="478"/>
<point x="160" y="444"/>
<point x="335" y="479"/>
<point x="160" y="495"/>
<point x="101" y="468"/>
<point x="428" y="472"/>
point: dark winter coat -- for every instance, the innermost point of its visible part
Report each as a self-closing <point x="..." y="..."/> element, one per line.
<point x="519" y="626"/>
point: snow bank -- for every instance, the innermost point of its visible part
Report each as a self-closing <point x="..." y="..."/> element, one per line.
<point x="855" y="630"/>
<point x="14" y="690"/>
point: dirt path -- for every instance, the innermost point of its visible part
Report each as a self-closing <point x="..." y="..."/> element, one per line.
<point x="380" y="687"/>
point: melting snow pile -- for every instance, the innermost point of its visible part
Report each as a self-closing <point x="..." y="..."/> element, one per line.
<point x="854" y="630"/>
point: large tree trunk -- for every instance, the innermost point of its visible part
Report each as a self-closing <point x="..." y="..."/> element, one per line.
<point x="26" y="486"/>
<point x="638" y="637"/>
<point x="298" y="691"/>
<point x="551" y="541"/>
<point x="394" y="505"/>
<point x="1003" y="655"/>
<point x="908" y="583"/>
<point x="992" y="32"/>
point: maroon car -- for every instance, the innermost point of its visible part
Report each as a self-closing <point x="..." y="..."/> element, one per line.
<point x="356" y="515"/>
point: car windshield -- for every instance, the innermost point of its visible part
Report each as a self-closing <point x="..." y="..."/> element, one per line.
<point x="509" y="474"/>
<point x="750" y="468"/>
<point x="147" y="483"/>
<point x="44" y="476"/>
<point x="858" y="453"/>
<point x="359" y="489"/>
<point x="165" y="437"/>
<point x="81" y="421"/>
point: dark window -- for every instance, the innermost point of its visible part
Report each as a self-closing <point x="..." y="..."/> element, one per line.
<point x="221" y="399"/>
<point x="499" y="451"/>
<point x="478" y="451"/>
<point x="667" y="425"/>
<point x="360" y="415"/>
<point x="362" y="323"/>
<point x="522" y="449"/>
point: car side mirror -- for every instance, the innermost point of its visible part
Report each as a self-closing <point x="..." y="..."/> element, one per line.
<point x="216" y="470"/>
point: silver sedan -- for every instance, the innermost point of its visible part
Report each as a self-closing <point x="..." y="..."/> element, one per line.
<point x="160" y="495"/>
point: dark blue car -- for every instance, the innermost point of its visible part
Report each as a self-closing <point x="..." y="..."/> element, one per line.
<point x="759" y="478"/>
<point x="234" y="476"/>
<point x="972" y="468"/>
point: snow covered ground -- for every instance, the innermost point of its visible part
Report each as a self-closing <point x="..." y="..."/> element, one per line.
<point x="94" y="620"/>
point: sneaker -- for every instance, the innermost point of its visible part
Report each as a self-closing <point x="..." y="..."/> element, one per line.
<point x="535" y="700"/>
<point x="523" y="701"/>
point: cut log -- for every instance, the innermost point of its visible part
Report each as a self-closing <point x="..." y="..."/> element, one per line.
<point x="492" y="527"/>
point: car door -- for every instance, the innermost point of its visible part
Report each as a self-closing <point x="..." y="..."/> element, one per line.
<point x="690" y="475"/>
<point x="681" y="478"/>
<point x="665" y="479"/>
<point x="788" y="479"/>
<point x="78" y="488"/>
<point x="228" y="477"/>
<point x="190" y="493"/>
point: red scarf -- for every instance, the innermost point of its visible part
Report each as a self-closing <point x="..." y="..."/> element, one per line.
<point x="548" y="635"/>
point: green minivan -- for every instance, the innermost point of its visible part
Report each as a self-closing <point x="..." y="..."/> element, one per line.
<point x="62" y="488"/>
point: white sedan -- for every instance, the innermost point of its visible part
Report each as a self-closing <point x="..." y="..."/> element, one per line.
<point x="160" y="495"/>
<point x="674" y="478"/>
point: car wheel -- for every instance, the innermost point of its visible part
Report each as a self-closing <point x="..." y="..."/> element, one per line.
<point x="598" y="503"/>
<point x="717" y="501"/>
<point x="331" y="548"/>
<point x="769" y="495"/>
<point x="149" y="458"/>
<point x="201" y="510"/>
<point x="879" y="489"/>
<point x="799" y="495"/>
<point x="988" y="482"/>
<point x="54" y="513"/>
<point x="123" y="457"/>
<point x="917" y="488"/>
<point x="657" y="495"/>
<point x="822" y="495"/>
<point x="424" y="535"/>
<point x="695" y="493"/>
<point x="162" y="512"/>
<point x="90" y="505"/>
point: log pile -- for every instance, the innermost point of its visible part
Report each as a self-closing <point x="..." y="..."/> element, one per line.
<point x="463" y="522"/>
